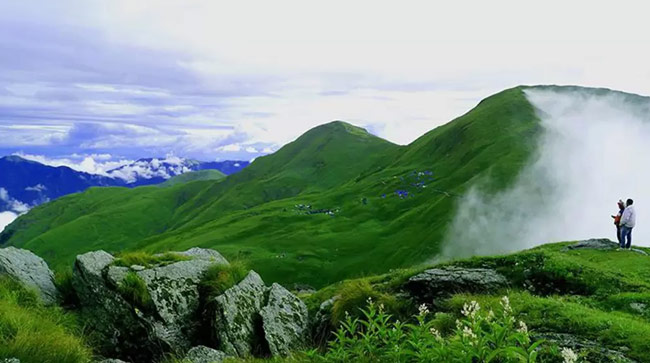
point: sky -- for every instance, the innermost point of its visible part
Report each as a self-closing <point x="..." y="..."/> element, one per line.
<point x="92" y="83"/>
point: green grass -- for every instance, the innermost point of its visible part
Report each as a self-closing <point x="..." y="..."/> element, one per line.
<point x="134" y="290"/>
<point x="146" y="259"/>
<point x="219" y="278"/>
<point x="208" y="174"/>
<point x="34" y="333"/>
<point x="251" y="215"/>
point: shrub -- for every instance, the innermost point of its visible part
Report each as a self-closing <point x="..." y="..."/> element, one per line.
<point x="354" y="294"/>
<point x="219" y="278"/>
<point x="148" y="260"/>
<point x="34" y="333"/>
<point x="478" y="337"/>
<point x="134" y="290"/>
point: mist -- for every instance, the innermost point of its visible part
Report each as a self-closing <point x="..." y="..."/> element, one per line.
<point x="595" y="150"/>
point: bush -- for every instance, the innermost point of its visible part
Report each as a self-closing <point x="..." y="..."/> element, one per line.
<point x="354" y="294"/>
<point x="34" y="333"/>
<point x="478" y="337"/>
<point x="148" y="260"/>
<point x="219" y="278"/>
<point x="134" y="290"/>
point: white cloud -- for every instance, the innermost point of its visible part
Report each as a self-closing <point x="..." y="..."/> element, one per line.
<point x="6" y="218"/>
<point x="93" y="163"/>
<point x="13" y="204"/>
<point x="37" y="188"/>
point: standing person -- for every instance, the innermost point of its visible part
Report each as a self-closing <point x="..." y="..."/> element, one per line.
<point x="617" y="221"/>
<point x="628" y="221"/>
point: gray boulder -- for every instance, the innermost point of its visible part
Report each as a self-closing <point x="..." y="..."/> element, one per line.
<point x="589" y="350"/>
<point x="143" y="333"/>
<point x="111" y="360"/>
<point x="175" y="295"/>
<point x="203" y="354"/>
<point x="285" y="321"/>
<point x="236" y="314"/>
<point x="438" y="282"/>
<point x="10" y="360"/>
<point x="594" y="244"/>
<point x="30" y="270"/>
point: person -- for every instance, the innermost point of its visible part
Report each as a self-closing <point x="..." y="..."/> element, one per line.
<point x="628" y="222"/>
<point x="617" y="220"/>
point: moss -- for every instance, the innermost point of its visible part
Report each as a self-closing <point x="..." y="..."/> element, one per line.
<point x="134" y="290"/>
<point x="148" y="260"/>
<point x="219" y="278"/>
<point x="353" y="295"/>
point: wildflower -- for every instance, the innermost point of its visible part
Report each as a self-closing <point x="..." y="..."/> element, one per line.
<point x="435" y="333"/>
<point x="523" y="328"/>
<point x="490" y="316"/>
<point x="459" y="325"/>
<point x="469" y="333"/>
<point x="569" y="355"/>
<point x="381" y="308"/>
<point x="423" y="310"/>
<point x="369" y="301"/>
<point x="505" y="302"/>
<point x="471" y="309"/>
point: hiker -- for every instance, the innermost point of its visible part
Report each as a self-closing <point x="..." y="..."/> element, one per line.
<point x="628" y="221"/>
<point x="617" y="220"/>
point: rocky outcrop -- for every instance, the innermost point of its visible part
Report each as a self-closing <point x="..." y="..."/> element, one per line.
<point x="167" y="324"/>
<point x="590" y="351"/>
<point x="598" y="244"/>
<point x="10" y="360"/>
<point x="203" y="354"/>
<point x="236" y="316"/>
<point x="284" y="320"/>
<point x="30" y="270"/>
<point x="439" y="282"/>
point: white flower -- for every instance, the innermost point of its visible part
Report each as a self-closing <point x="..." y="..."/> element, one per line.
<point x="471" y="309"/>
<point x="505" y="303"/>
<point x="469" y="333"/>
<point x="490" y="316"/>
<point x="522" y="327"/>
<point x="435" y="333"/>
<point x="459" y="325"/>
<point x="423" y="310"/>
<point x="369" y="301"/>
<point x="569" y="355"/>
<point x="381" y="308"/>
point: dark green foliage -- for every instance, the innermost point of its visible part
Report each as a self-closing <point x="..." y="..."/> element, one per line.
<point x="147" y="259"/>
<point x="63" y="282"/>
<point x="134" y="290"/>
<point x="356" y="293"/>
<point x="219" y="278"/>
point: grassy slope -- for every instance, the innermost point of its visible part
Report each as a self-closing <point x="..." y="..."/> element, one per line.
<point x="251" y="214"/>
<point x="208" y="174"/>
<point x="586" y="293"/>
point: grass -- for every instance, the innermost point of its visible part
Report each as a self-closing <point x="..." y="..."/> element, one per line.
<point x="251" y="215"/>
<point x="34" y="333"/>
<point x="134" y="290"/>
<point x="146" y="259"/>
<point x="218" y="278"/>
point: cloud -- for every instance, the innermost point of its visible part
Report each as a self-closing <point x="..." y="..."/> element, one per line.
<point x="6" y="218"/>
<point x="593" y="152"/>
<point x="12" y="204"/>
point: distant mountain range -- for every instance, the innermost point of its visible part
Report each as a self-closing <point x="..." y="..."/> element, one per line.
<point x="26" y="183"/>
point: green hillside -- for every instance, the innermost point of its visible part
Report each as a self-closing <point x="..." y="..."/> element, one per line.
<point x="207" y="174"/>
<point x="316" y="211"/>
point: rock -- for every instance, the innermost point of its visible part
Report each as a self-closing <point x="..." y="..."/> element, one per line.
<point x="142" y="333"/>
<point x="321" y="324"/>
<point x="137" y="267"/>
<point x="10" y="360"/>
<point x="285" y="321"/>
<point x="111" y="360"/>
<point x="596" y="244"/>
<point x="203" y="354"/>
<point x="205" y="254"/>
<point x="434" y="283"/>
<point x="174" y="292"/>
<point x="589" y="351"/>
<point x="30" y="270"/>
<point x="236" y="316"/>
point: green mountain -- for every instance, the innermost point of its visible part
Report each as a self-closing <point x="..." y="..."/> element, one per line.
<point x="316" y="211"/>
<point x="207" y="174"/>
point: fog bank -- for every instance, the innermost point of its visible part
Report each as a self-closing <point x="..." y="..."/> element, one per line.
<point x="595" y="149"/>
